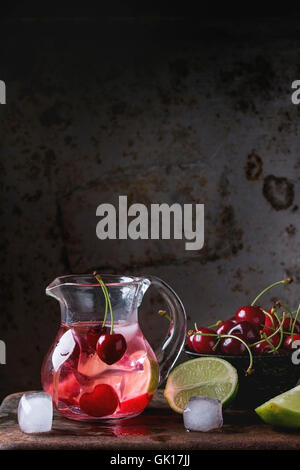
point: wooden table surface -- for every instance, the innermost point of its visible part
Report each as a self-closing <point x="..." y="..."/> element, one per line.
<point x="157" y="428"/>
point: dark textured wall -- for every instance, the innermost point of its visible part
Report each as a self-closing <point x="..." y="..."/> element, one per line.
<point x="160" y="111"/>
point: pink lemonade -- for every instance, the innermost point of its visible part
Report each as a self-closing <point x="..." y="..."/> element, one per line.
<point x="85" y="388"/>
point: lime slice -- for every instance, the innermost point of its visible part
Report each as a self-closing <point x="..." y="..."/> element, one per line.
<point x="152" y="366"/>
<point x="283" y="410"/>
<point x="206" y="376"/>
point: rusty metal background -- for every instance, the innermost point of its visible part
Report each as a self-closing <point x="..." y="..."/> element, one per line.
<point x="160" y="113"/>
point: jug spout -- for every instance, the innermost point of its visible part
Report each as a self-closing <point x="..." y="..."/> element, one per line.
<point x="54" y="290"/>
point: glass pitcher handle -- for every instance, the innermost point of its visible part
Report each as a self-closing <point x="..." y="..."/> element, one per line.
<point x="174" y="342"/>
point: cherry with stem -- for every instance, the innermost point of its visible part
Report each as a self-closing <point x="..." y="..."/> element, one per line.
<point x="253" y="313"/>
<point x="273" y="334"/>
<point x="110" y="346"/>
<point x="201" y="343"/>
<point x="250" y="369"/>
<point x="273" y="314"/>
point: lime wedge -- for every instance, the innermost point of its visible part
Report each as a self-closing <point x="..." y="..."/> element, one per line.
<point x="283" y="410"/>
<point x="206" y="376"/>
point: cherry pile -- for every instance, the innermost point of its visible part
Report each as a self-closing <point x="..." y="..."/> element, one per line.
<point x="252" y="330"/>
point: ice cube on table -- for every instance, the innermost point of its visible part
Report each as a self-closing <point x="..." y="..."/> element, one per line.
<point x="35" y="412"/>
<point x="203" y="414"/>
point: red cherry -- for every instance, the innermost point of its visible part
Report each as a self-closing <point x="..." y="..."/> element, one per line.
<point x="288" y="342"/>
<point x="111" y="347"/>
<point x="225" y="326"/>
<point x="252" y="314"/>
<point x="262" y="348"/>
<point x="204" y="344"/>
<point x="102" y="401"/>
<point x="232" y="346"/>
<point x="288" y="324"/>
<point x="135" y="405"/>
<point x="233" y="319"/>
<point x="247" y="331"/>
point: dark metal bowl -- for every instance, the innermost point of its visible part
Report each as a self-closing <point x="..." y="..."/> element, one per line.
<point x="273" y="374"/>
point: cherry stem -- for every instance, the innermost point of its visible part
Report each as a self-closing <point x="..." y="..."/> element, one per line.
<point x="265" y="338"/>
<point x="284" y="281"/>
<point x="216" y="345"/>
<point x="215" y="324"/>
<point x="280" y="304"/>
<point x="163" y="313"/>
<point x="107" y="302"/>
<point x="98" y="277"/>
<point x="249" y="370"/>
<point x="281" y="328"/>
<point x="273" y="329"/>
<point x="294" y="322"/>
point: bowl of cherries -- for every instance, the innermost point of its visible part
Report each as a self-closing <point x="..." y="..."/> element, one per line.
<point x="259" y="343"/>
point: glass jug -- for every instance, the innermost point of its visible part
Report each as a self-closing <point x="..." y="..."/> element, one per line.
<point x="101" y="366"/>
